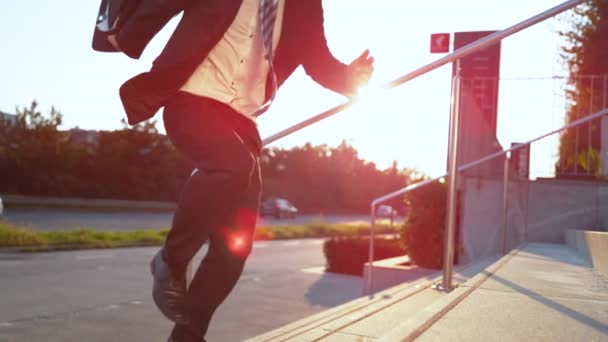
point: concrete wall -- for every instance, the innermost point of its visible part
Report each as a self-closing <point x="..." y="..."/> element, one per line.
<point x="482" y="219"/>
<point x="558" y="205"/>
<point x="602" y="198"/>
<point x="538" y="211"/>
<point x="593" y="246"/>
<point x="391" y="272"/>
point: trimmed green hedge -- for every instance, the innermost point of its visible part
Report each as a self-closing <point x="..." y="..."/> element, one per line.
<point x="423" y="231"/>
<point x="348" y="254"/>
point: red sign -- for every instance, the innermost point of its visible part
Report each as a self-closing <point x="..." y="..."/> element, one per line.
<point x="440" y="43"/>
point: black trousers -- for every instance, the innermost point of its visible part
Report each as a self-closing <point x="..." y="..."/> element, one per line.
<point x="219" y="203"/>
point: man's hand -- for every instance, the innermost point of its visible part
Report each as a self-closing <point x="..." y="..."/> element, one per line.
<point x="112" y="37"/>
<point x="359" y="72"/>
<point x="114" y="42"/>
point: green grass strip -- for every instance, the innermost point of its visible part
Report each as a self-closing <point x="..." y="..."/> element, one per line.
<point x="24" y="239"/>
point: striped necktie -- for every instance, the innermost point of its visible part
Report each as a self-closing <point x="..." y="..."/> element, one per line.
<point x="268" y="14"/>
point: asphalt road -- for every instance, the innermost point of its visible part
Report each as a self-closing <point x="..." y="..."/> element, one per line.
<point x="104" y="295"/>
<point x="61" y="219"/>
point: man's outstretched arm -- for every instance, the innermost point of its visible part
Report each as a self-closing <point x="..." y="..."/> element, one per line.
<point x="324" y="68"/>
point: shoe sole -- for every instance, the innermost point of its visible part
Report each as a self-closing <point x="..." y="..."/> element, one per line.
<point x="170" y="316"/>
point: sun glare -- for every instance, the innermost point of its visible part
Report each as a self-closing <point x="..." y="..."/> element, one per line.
<point x="370" y="97"/>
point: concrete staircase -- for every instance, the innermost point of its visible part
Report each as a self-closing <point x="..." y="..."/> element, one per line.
<point x="369" y="318"/>
<point x="538" y="292"/>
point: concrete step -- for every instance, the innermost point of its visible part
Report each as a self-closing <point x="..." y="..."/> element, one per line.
<point x="539" y="292"/>
<point x="371" y="317"/>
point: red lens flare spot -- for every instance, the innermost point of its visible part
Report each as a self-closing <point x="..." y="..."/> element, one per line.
<point x="239" y="235"/>
<point x="238" y="244"/>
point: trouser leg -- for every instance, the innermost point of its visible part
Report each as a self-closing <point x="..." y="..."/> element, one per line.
<point x="219" y="203"/>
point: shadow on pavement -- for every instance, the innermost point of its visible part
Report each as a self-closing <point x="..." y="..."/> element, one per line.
<point x="334" y="289"/>
<point x="578" y="316"/>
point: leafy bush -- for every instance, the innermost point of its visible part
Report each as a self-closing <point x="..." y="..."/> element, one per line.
<point x="348" y="254"/>
<point x="423" y="231"/>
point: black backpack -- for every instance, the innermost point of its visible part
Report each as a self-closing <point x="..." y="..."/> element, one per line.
<point x="107" y="22"/>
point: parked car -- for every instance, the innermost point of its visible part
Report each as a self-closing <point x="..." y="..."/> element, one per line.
<point x="386" y="211"/>
<point x="279" y="208"/>
<point x="1" y="207"/>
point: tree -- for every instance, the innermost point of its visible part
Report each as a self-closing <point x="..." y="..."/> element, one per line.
<point x="31" y="152"/>
<point x="585" y="54"/>
<point x="139" y="164"/>
<point x="328" y="179"/>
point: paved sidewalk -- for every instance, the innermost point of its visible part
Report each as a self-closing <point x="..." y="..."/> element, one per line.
<point x="544" y="292"/>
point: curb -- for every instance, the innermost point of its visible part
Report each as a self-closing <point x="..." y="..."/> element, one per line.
<point x="70" y="248"/>
<point x="19" y="200"/>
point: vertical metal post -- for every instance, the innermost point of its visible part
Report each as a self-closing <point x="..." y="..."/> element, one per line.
<point x="562" y="148"/>
<point x="505" y="203"/>
<point x="601" y="154"/>
<point x="604" y="104"/>
<point x="576" y="136"/>
<point x="448" y="255"/>
<point x="589" y="125"/>
<point x="370" y="264"/>
<point x="526" y="219"/>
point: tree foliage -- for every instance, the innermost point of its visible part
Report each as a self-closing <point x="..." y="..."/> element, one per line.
<point x="33" y="153"/>
<point x="36" y="158"/>
<point x="331" y="178"/>
<point x="585" y="53"/>
<point x="138" y="163"/>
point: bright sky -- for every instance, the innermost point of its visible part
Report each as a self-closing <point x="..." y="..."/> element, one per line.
<point x="46" y="55"/>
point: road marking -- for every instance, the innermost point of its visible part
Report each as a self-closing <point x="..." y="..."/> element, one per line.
<point x="136" y="302"/>
<point x="251" y="278"/>
<point x="314" y="270"/>
<point x="291" y="243"/>
<point x="114" y="307"/>
<point x="94" y="257"/>
<point x="6" y="325"/>
<point x="319" y="242"/>
<point x="260" y="245"/>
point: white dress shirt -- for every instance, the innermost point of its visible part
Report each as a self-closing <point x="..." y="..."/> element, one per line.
<point x="235" y="71"/>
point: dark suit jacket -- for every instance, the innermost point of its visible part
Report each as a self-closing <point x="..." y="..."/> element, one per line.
<point x="203" y="24"/>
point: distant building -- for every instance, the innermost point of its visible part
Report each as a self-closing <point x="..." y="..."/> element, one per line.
<point x="82" y="136"/>
<point x="9" y="117"/>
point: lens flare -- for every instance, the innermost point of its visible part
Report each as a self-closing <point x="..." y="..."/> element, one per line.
<point x="238" y="244"/>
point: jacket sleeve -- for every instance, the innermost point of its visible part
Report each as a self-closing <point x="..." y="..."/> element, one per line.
<point x="318" y="61"/>
<point x="145" y="22"/>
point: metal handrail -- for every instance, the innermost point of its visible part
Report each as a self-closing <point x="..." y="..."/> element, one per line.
<point x="453" y="57"/>
<point x="456" y="55"/>
<point x="462" y="168"/>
